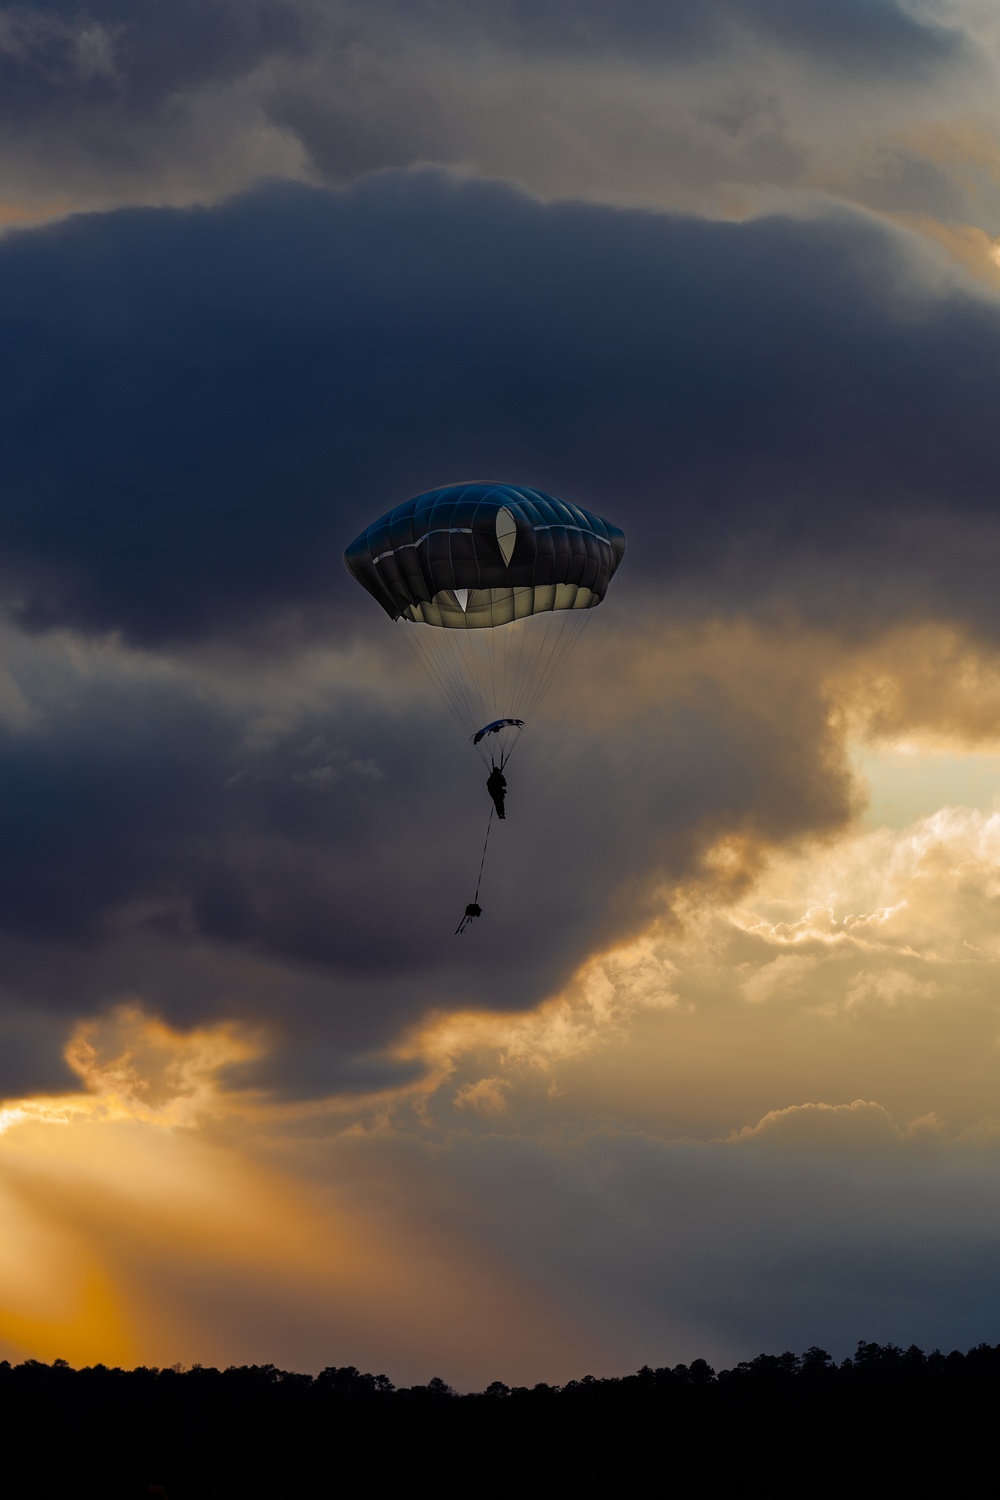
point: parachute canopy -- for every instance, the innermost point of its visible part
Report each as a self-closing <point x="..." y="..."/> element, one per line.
<point x="480" y="555"/>
<point x="496" y="727"/>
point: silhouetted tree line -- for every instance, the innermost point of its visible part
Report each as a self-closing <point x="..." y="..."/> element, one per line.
<point x="798" y="1376"/>
<point x="884" y="1415"/>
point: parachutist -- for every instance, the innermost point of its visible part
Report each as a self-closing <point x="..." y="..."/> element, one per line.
<point x="472" y="910"/>
<point x="496" y="785"/>
<point x="490" y="583"/>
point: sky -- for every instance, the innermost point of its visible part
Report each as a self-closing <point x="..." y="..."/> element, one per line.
<point x="717" y="1072"/>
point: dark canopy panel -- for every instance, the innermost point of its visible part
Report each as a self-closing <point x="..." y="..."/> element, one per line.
<point x="472" y="556"/>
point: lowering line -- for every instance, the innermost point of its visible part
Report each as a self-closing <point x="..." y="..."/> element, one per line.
<point x="474" y="909"/>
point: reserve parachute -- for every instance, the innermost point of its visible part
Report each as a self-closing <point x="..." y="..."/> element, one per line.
<point x="490" y="585"/>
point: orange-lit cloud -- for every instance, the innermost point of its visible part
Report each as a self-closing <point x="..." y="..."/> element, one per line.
<point x="20" y="215"/>
<point x="720" y="1067"/>
<point x="536" y="1198"/>
<point x="867" y="968"/>
<point x="841" y="1012"/>
<point x="142" y="1223"/>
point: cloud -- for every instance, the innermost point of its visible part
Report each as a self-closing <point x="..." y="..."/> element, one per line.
<point x="496" y="1253"/>
<point x="706" y="109"/>
<point x="718" y="1063"/>
<point x="860" y="1126"/>
<point x="226" y="796"/>
<point x="139" y="1228"/>
<point x="60" y="52"/>
<point x="757" y="1118"/>
<point x="653" y="1162"/>
<point x="96" y="99"/>
<point x="157" y="849"/>
<point x="784" y="414"/>
<point x="863" y="971"/>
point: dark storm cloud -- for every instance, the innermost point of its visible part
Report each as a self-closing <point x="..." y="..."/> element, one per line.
<point x="880" y="34"/>
<point x="311" y="882"/>
<point x="31" y="1047"/>
<point x="133" y="55"/>
<point x="117" y="59"/>
<point x="126" y="101"/>
<point x="199" y="408"/>
<point x="875" y="34"/>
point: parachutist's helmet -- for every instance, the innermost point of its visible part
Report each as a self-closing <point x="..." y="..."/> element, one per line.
<point x="474" y="556"/>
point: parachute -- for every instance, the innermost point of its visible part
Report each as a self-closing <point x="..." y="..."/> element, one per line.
<point x="496" y="727"/>
<point x="490" y="584"/>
